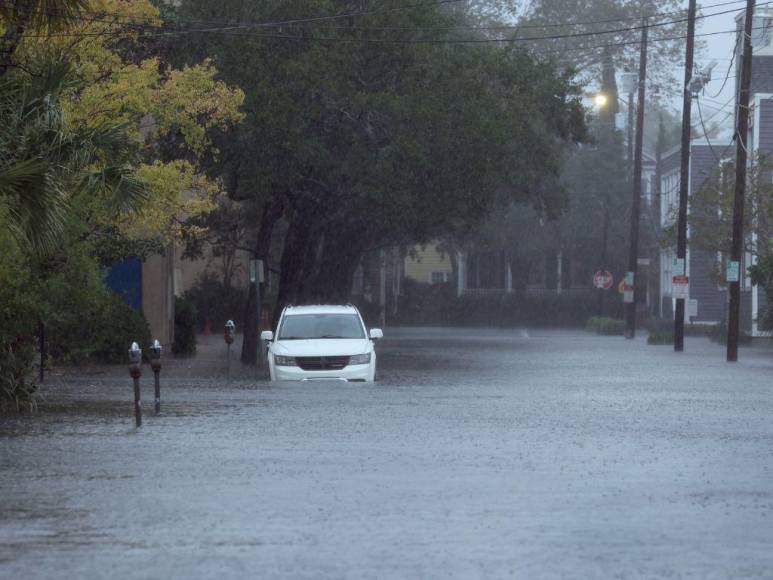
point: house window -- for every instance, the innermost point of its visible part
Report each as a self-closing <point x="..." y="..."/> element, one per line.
<point x="439" y="277"/>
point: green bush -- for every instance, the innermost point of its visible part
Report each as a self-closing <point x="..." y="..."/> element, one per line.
<point x="215" y="303"/>
<point x="85" y="320"/>
<point x="606" y="326"/>
<point x="437" y="304"/>
<point x="19" y="313"/>
<point x="185" y="321"/>
<point x="661" y="337"/>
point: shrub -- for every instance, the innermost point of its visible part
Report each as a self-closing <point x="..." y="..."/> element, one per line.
<point x="185" y="321"/>
<point x="19" y="313"/>
<point x="85" y="320"/>
<point x="661" y="337"/>
<point x="606" y="326"/>
<point x="437" y="304"/>
<point x="120" y="326"/>
<point x="215" y="303"/>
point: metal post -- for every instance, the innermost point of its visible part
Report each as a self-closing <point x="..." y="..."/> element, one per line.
<point x="42" y="338"/>
<point x="737" y="246"/>
<point x="135" y="370"/>
<point x="633" y="254"/>
<point x="155" y="364"/>
<point x="684" y="174"/>
<point x="230" y="331"/>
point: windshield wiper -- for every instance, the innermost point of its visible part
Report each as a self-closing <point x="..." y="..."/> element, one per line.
<point x="331" y="336"/>
<point x="294" y="338"/>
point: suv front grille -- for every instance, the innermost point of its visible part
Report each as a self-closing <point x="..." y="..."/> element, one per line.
<point x="322" y="363"/>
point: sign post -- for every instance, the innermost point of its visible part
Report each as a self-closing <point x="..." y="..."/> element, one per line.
<point x="257" y="277"/>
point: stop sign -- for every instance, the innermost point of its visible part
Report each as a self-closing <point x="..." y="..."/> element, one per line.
<point x="603" y="279"/>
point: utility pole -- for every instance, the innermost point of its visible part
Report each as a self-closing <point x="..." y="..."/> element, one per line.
<point x="680" y="268"/>
<point x="737" y="245"/>
<point x="630" y="132"/>
<point x="633" y="253"/>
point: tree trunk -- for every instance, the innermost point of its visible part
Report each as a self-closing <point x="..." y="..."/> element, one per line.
<point x="271" y="214"/>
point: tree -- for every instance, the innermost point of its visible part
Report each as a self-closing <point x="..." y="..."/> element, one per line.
<point x="359" y="142"/>
<point x="21" y="17"/>
<point x="711" y="210"/>
<point x="583" y="27"/>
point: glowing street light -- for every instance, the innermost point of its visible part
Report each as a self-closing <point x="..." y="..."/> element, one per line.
<point x="600" y="100"/>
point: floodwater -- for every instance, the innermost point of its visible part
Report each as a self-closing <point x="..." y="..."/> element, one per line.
<point x="477" y="454"/>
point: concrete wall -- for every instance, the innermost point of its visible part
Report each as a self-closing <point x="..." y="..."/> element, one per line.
<point x="158" y="296"/>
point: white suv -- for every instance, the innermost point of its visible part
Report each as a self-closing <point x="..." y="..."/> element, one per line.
<point x="321" y="342"/>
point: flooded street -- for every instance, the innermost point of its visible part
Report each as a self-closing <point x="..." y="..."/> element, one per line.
<point x="477" y="453"/>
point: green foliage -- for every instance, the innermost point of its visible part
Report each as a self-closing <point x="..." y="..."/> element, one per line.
<point x="382" y="143"/>
<point x="216" y="303"/>
<point x="19" y="311"/>
<point x="85" y="320"/>
<point x="437" y="304"/>
<point x="185" y="319"/>
<point x="606" y="326"/>
<point x="661" y="337"/>
<point x="762" y="275"/>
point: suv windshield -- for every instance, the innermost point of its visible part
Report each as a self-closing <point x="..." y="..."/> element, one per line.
<point x="305" y="326"/>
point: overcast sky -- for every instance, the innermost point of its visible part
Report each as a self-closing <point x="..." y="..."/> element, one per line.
<point x="717" y="106"/>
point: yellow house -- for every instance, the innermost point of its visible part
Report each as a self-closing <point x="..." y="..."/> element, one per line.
<point x="428" y="264"/>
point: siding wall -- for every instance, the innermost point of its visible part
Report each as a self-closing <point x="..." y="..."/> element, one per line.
<point x="712" y="300"/>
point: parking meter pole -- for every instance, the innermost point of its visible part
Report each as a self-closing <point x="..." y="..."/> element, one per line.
<point x="135" y="370"/>
<point x="230" y="331"/>
<point x="155" y="363"/>
<point x="137" y="403"/>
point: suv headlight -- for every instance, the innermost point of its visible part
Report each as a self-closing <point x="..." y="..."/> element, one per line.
<point x="284" y="361"/>
<point x="360" y="359"/>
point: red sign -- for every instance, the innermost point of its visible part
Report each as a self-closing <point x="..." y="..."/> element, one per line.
<point x="602" y="280"/>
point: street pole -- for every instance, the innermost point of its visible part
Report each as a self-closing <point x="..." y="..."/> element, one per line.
<point x="684" y="176"/>
<point x="633" y="253"/>
<point x="630" y="132"/>
<point x="736" y="247"/>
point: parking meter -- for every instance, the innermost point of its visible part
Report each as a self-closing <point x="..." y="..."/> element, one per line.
<point x="155" y="356"/>
<point x="155" y="364"/>
<point x="135" y="360"/>
<point x="135" y="370"/>
<point x="230" y="332"/>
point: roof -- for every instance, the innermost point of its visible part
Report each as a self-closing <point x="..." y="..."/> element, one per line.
<point x="321" y="309"/>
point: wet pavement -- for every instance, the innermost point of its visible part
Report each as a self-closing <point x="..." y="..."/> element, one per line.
<point x="477" y="454"/>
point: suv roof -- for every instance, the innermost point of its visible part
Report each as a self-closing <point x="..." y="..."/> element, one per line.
<point x="321" y="309"/>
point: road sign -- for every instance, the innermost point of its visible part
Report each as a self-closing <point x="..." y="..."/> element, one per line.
<point x="677" y="267"/>
<point x="643" y="261"/>
<point x="733" y="271"/>
<point x="603" y="280"/>
<point x="681" y="287"/>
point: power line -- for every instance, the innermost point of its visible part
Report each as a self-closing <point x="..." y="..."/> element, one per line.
<point x="705" y="135"/>
<point x="729" y="68"/>
<point x="238" y="30"/>
<point x="132" y="19"/>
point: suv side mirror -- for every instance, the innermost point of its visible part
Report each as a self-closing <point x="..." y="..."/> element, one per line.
<point x="267" y="335"/>
<point x="376" y="333"/>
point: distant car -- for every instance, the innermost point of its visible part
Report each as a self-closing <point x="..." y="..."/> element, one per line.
<point x="321" y="342"/>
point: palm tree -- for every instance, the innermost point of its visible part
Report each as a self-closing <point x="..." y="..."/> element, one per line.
<point x="44" y="162"/>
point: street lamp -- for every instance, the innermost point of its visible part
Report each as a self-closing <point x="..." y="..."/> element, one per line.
<point x="600" y="100"/>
